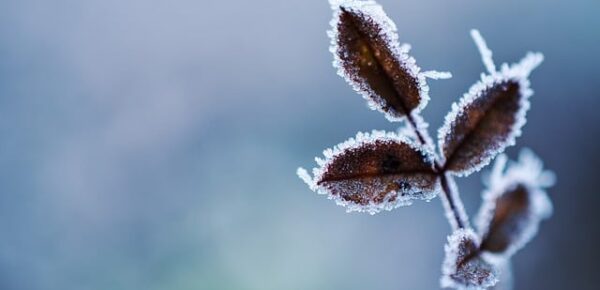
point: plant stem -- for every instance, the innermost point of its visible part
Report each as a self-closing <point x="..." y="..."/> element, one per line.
<point x="453" y="205"/>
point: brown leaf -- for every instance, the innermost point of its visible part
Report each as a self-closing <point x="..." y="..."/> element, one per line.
<point x="464" y="267"/>
<point x="368" y="55"/>
<point x="375" y="172"/>
<point x="507" y="222"/>
<point x="483" y="126"/>
<point x="514" y="219"/>
<point x="490" y="116"/>
<point x="514" y="205"/>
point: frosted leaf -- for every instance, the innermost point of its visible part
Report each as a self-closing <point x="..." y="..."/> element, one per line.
<point x="463" y="267"/>
<point x="375" y="171"/>
<point x="514" y="204"/>
<point x="366" y="51"/>
<point x="489" y="117"/>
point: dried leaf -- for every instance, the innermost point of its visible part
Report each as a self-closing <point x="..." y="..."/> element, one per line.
<point x="368" y="55"/>
<point x="514" y="204"/>
<point x="375" y="171"/>
<point x="463" y="266"/>
<point x="489" y="117"/>
<point x="510" y="219"/>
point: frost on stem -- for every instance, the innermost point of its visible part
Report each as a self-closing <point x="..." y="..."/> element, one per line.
<point x="374" y="172"/>
<point x="489" y="117"/>
<point x="463" y="266"/>
<point x="486" y="53"/>
<point x="366" y="51"/>
<point x="455" y="213"/>
<point x="514" y="204"/>
<point x="406" y="129"/>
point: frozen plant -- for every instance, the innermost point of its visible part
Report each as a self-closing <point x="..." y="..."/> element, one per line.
<point x="385" y="170"/>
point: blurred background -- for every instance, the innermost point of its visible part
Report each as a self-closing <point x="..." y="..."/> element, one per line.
<point x="153" y="144"/>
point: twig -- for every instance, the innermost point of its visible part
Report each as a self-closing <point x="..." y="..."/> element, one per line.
<point x="450" y="198"/>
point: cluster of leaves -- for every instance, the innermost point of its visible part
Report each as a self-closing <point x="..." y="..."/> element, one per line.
<point x="514" y="204"/>
<point x="385" y="170"/>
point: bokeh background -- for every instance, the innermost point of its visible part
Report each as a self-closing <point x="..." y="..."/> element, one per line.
<point x="153" y="144"/>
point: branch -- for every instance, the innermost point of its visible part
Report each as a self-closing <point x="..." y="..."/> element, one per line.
<point x="455" y="211"/>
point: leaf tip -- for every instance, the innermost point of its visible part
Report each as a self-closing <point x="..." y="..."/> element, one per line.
<point x="527" y="64"/>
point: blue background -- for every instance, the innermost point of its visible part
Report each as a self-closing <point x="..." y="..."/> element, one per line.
<point x="153" y="144"/>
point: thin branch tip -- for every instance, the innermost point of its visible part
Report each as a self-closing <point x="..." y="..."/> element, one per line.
<point x="437" y="75"/>
<point x="486" y="53"/>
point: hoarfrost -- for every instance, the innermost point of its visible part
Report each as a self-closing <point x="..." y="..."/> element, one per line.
<point x="471" y="115"/>
<point x="463" y="267"/>
<point x="514" y="204"/>
<point x="374" y="172"/>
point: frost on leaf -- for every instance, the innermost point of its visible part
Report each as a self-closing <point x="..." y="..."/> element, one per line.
<point x="514" y="204"/>
<point x="490" y="116"/>
<point x="464" y="267"/>
<point x="368" y="55"/>
<point x="375" y="171"/>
